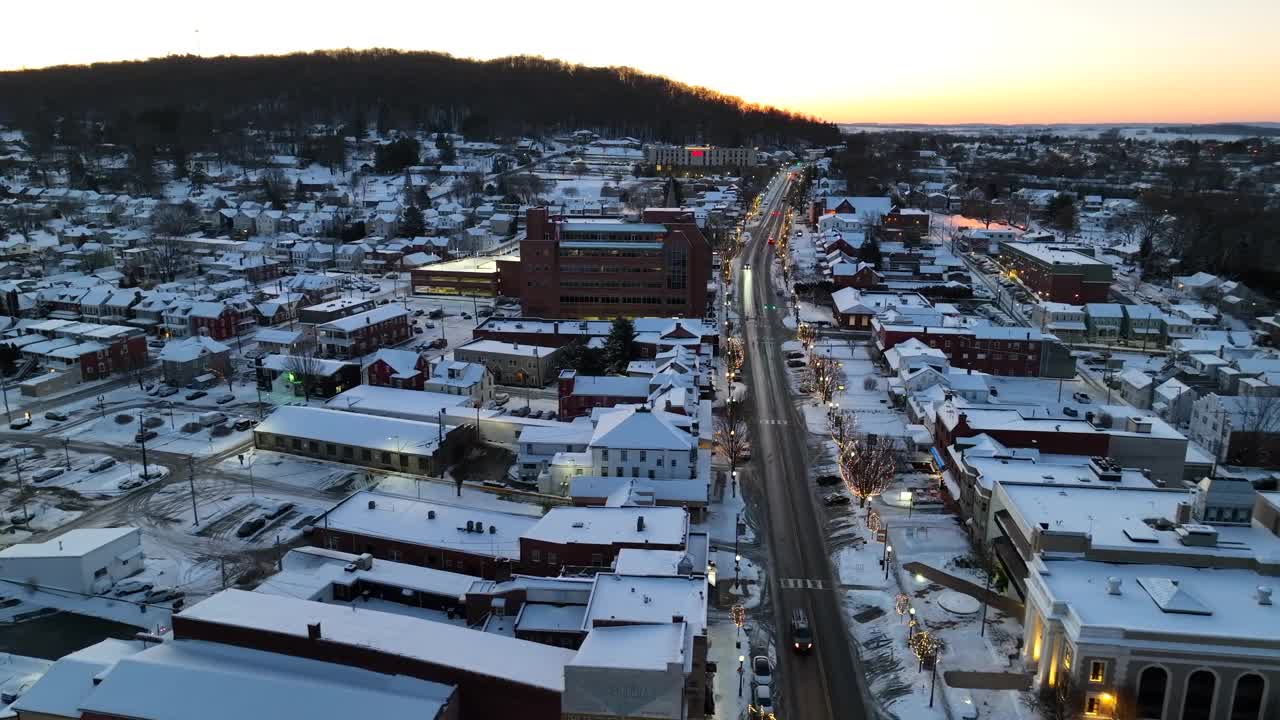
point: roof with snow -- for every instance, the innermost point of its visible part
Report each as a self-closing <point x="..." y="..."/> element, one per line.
<point x="634" y="647"/>
<point x="198" y="680"/>
<point x="396" y="517"/>
<point x="611" y="526"/>
<point x="369" y="317"/>
<point x="387" y="434"/>
<point x="634" y="599"/>
<point x="437" y="643"/>
<point x="190" y="349"/>
<point x="639" y="428"/>
<point x="60" y="691"/>
<point x="395" y="402"/>
<point x="73" y="543"/>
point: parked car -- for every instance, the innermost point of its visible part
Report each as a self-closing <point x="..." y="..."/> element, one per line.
<point x="131" y="587"/>
<point x="466" y="316"/>
<point x="160" y="595"/>
<point x="144" y="435"/>
<point x="251" y="526"/>
<point x="55" y="416"/>
<point x="486" y="313"/>
<point x="439" y="343"/>
<point x="828" y="480"/>
<point x="210" y="419"/>
<point x="279" y="510"/>
<point x="436" y="313"/>
<point x="795" y="355"/>
<point x="418" y="330"/>
<point x="761" y="701"/>
<point x="245" y="424"/>
<point x="196" y="395"/>
<point x="520" y="411"/>
<point x="795" y="363"/>
<point x="1082" y="398"/>
<point x="419" y="312"/>
<point x="429" y="324"/>
<point x="167" y="390"/>
<point x="501" y="398"/>
<point x="131" y="483"/>
<point x="761" y="670"/>
<point x="20" y="423"/>
<point x="47" y="474"/>
<point x="102" y="464"/>
<point x="224" y="399"/>
<point x="835" y="499"/>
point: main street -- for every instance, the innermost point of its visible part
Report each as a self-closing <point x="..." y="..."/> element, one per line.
<point x="826" y="683"/>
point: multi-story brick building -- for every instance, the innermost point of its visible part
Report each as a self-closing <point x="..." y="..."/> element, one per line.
<point x="578" y="395"/>
<point x="584" y="267"/>
<point x="403" y="369"/>
<point x="474" y="277"/>
<point x="996" y="350"/>
<point x="364" y="332"/>
<point x="1058" y="273"/>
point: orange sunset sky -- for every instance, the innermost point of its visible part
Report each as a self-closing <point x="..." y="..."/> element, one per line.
<point x="1003" y="61"/>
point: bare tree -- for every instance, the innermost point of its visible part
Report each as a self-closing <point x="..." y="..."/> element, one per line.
<point x="825" y="377"/>
<point x="734" y="357"/>
<point x="733" y="438"/>
<point x="304" y="367"/>
<point x="1061" y="701"/>
<point x="867" y="470"/>
<point x="1257" y="440"/>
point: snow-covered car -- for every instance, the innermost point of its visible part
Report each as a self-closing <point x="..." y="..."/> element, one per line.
<point x="224" y="399"/>
<point x="47" y="474"/>
<point x="195" y="394"/>
<point x="102" y="464"/>
<point x="167" y="390"/>
<point x="761" y="702"/>
<point x="835" y="499"/>
<point x="55" y="416"/>
<point x="160" y="595"/>
<point x="20" y="423"/>
<point x="131" y="587"/>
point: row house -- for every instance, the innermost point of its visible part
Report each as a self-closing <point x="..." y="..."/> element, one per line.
<point x="401" y="369"/>
<point x="312" y="255"/>
<point x="994" y="350"/>
<point x="364" y="332"/>
<point x="350" y="257"/>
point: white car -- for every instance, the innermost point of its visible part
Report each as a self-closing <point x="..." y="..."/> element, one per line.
<point x="761" y="701"/>
<point x="761" y="670"/>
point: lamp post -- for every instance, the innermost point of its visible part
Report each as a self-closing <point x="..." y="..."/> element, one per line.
<point x="908" y="497"/>
<point x="742" y="659"/>
<point x="737" y="568"/>
<point x="888" y="550"/>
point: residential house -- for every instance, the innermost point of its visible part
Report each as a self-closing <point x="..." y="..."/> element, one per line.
<point x="182" y="361"/>
<point x="402" y="369"/>
<point x="461" y="378"/>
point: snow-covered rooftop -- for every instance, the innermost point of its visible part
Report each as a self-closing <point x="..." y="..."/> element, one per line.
<point x="612" y="526"/>
<point x="387" y="434"/>
<point x="198" y="680"/>
<point x="496" y="656"/>
<point x="73" y="543"/>
<point x="632" y="599"/>
<point x="638" y="647"/>
<point x="408" y="520"/>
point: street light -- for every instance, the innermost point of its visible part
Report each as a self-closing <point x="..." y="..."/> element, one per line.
<point x="906" y="496"/>
<point x="742" y="659"/>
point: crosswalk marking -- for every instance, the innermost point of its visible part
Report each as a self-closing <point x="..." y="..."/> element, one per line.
<point x="800" y="584"/>
<point x="770" y="421"/>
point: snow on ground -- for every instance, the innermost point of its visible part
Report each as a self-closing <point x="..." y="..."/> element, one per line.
<point x="870" y="405"/>
<point x="170" y="434"/>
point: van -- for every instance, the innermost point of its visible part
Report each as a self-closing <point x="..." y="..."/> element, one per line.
<point x="801" y="634"/>
<point x="210" y="419"/>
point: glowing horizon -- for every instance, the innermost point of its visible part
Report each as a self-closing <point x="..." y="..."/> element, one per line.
<point x="985" y="61"/>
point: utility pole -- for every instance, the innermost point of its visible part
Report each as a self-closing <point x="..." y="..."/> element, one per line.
<point x="4" y="389"/>
<point x="191" y="477"/>
<point x="66" y="453"/>
<point x="142" y="441"/>
<point x="17" y="464"/>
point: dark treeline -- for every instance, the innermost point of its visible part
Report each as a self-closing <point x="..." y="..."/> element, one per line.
<point x="189" y="100"/>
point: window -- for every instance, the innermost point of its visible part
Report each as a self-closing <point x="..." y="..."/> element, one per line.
<point x="404" y="461"/>
<point x="650" y="474"/>
<point x="604" y="453"/>
<point x="330" y="449"/>
<point x="1097" y="671"/>
<point x="1246" y="704"/>
<point x="1092" y="705"/>
<point x="644" y="455"/>
<point x="100" y="572"/>
<point x="297" y="444"/>
<point x="394" y="555"/>
<point x="386" y="458"/>
<point x="332" y="542"/>
<point x="366" y="454"/>
<point x="1197" y="703"/>
<point x="597" y="559"/>
<point x="551" y="558"/>
<point x="635" y="471"/>
<point x="313" y="447"/>
<point x="624" y="456"/>
<point x="535" y="555"/>
<point x="1066" y="657"/>
<point x="619" y="471"/>
<point x="422" y="464"/>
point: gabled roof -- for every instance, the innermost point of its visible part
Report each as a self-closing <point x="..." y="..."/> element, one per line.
<point x="639" y="428"/>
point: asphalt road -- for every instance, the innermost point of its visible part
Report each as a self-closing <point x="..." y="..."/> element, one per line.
<point x="826" y="683"/>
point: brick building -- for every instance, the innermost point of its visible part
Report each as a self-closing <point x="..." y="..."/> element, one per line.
<point x="579" y="394"/>
<point x="364" y="332"/>
<point x="591" y="537"/>
<point x="403" y="369"/>
<point x="654" y="335"/>
<point x="586" y="267"/>
<point x="219" y="321"/>
<point x="1058" y="273"/>
<point x="1015" y="351"/>
<point x="497" y="276"/>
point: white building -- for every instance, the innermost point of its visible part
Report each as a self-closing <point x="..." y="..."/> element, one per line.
<point x="451" y="377"/>
<point x="88" y="560"/>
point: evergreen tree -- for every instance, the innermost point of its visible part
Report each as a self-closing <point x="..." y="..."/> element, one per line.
<point x="412" y="223"/>
<point x="298" y="193"/>
<point x="869" y="252"/>
<point x="619" y="345"/>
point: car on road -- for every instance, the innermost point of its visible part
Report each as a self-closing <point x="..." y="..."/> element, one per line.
<point x="835" y="499"/>
<point x="167" y="390"/>
<point x="795" y="363"/>
<point x="746" y="266"/>
<point x="144" y="435"/>
<point x="47" y="474"/>
<point x="429" y="324"/>
<point x="20" y="423"/>
<point x="245" y="424"/>
<point x="1082" y="398"/>
<point x="102" y="464"/>
<point x="801" y="633"/>
<point x="828" y="480"/>
<point x="419" y="312"/>
<point x="250" y="526"/>
<point x="55" y="416"/>
<point x="418" y="331"/>
<point x="439" y="343"/>
<point x="795" y="355"/>
<point x="224" y="399"/>
<point x="159" y="595"/>
<point x="195" y="394"/>
<point x="466" y="316"/>
<point x="131" y="587"/>
<point x="436" y="313"/>
<point x="486" y="312"/>
<point x="761" y="670"/>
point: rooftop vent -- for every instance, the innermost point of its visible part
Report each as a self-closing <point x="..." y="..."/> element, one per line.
<point x="1264" y="594"/>
<point x="1197" y="535"/>
<point x="1113" y="585"/>
<point x="493" y="529"/>
<point x="431" y="514"/>
<point x="640" y="524"/>
<point x="313" y="631"/>
<point x="470" y="526"/>
<point x="373" y="504"/>
<point x="579" y="524"/>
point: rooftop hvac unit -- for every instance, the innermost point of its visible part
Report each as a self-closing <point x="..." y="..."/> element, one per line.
<point x="431" y="514"/>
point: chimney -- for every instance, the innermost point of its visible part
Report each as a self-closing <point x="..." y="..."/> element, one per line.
<point x="364" y="561"/>
<point x="431" y="514"/>
<point x="372" y="504"/>
<point x="1113" y="585"/>
<point x="640" y="524"/>
<point x="471" y="526"/>
<point x="1264" y="594"/>
<point x="313" y="631"/>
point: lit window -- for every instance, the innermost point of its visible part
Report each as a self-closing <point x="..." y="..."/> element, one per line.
<point x="1097" y="671"/>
